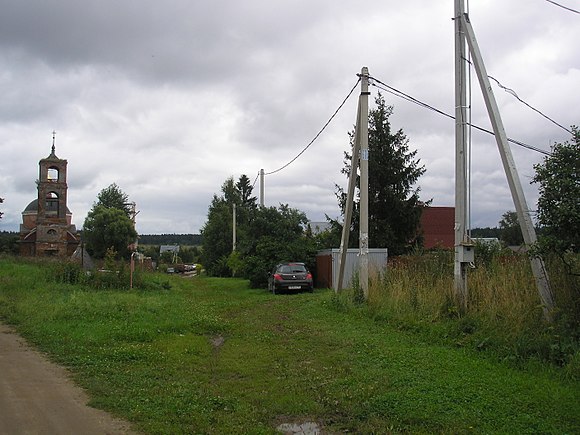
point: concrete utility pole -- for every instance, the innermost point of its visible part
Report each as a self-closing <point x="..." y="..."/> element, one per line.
<point x="364" y="184"/>
<point x="461" y="244"/>
<point x="349" y="201"/>
<point x="359" y="156"/>
<point x="525" y="221"/>
<point x="233" y="227"/>
<point x="261" y="188"/>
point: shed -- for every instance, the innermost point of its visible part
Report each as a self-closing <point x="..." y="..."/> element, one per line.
<point x="327" y="265"/>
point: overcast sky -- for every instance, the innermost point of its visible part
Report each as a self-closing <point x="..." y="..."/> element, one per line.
<point x="168" y="99"/>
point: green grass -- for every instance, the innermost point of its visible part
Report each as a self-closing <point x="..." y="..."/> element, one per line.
<point x="213" y="356"/>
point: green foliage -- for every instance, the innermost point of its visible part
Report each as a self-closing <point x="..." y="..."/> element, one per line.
<point x="150" y="251"/>
<point x="106" y="228"/>
<point x="170" y="239"/>
<point x="486" y="252"/>
<point x="486" y="232"/>
<point x="113" y="197"/>
<point x="235" y="263"/>
<point x="8" y="242"/>
<point x="217" y="231"/>
<point x="511" y="233"/>
<point x="189" y="255"/>
<point x="278" y="235"/>
<point x="558" y="177"/>
<point x="66" y="272"/>
<point x="167" y="257"/>
<point x="265" y="235"/>
<point x="394" y="205"/>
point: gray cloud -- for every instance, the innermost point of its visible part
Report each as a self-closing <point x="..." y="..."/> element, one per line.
<point x="168" y="100"/>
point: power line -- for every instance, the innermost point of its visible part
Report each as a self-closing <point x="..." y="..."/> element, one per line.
<point x="563" y="7"/>
<point x="255" y="179"/>
<point x="515" y="95"/>
<point x="318" y="134"/>
<point x="411" y="99"/>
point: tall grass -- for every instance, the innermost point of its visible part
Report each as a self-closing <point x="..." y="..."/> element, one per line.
<point x="504" y="312"/>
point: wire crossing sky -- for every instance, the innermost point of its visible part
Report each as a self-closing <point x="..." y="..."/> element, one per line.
<point x="169" y="99"/>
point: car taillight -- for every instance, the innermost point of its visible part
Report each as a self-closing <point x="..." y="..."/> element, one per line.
<point x="309" y="276"/>
<point x="277" y="277"/>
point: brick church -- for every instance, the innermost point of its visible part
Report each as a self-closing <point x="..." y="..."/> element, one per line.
<point x="47" y="229"/>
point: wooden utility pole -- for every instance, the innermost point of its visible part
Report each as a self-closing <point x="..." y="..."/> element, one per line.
<point x="524" y="219"/>
<point x="360" y="156"/>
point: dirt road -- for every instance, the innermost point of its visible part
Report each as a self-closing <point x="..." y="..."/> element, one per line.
<point x="38" y="397"/>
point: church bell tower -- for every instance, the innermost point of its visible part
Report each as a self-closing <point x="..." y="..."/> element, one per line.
<point x="49" y="231"/>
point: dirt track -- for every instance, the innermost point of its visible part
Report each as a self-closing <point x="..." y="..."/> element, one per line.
<point x="38" y="397"/>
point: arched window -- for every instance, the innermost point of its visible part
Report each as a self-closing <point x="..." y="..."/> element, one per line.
<point x="51" y="206"/>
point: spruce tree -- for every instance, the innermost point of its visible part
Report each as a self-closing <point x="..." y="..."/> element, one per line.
<point x="394" y="205"/>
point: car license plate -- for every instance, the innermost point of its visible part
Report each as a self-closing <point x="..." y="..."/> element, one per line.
<point x="293" y="287"/>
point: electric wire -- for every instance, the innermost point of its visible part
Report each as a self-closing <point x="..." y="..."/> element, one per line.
<point x="255" y="179"/>
<point x="563" y="7"/>
<point x="319" y="133"/>
<point x="516" y="96"/>
<point x="420" y="103"/>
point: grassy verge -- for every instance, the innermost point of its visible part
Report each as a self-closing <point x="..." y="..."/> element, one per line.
<point x="504" y="314"/>
<point x="213" y="356"/>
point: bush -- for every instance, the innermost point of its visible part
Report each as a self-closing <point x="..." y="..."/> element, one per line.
<point x="66" y="272"/>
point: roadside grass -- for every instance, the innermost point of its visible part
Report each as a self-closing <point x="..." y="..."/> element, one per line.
<point x="504" y="314"/>
<point x="208" y="355"/>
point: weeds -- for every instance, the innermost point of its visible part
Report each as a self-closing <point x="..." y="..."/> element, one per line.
<point x="504" y="314"/>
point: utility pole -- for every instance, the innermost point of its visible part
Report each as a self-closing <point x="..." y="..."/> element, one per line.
<point x="463" y="250"/>
<point x="261" y="188"/>
<point x="349" y="201"/>
<point x="233" y="227"/>
<point x="364" y="184"/>
<point x="359" y="157"/>
<point x="525" y="221"/>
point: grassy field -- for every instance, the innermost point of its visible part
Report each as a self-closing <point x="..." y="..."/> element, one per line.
<point x="208" y="355"/>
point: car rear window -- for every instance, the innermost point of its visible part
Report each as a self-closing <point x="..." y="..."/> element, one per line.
<point x="293" y="268"/>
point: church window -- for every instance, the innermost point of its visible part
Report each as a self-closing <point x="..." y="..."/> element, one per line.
<point x="51" y="204"/>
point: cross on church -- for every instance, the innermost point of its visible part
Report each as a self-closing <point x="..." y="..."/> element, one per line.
<point x="53" y="136"/>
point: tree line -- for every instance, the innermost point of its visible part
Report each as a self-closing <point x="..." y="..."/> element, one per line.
<point x="170" y="239"/>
